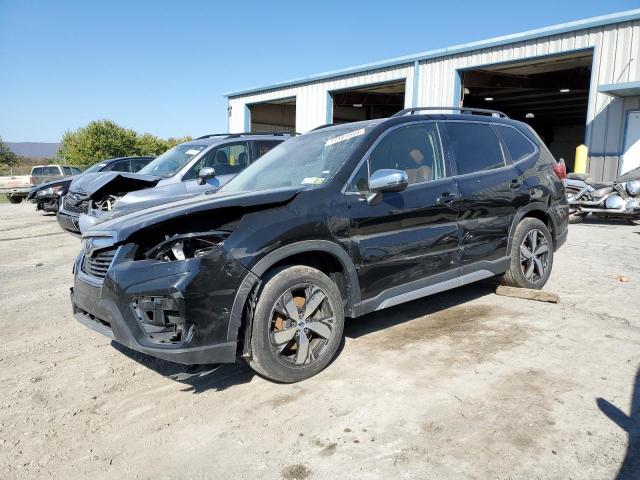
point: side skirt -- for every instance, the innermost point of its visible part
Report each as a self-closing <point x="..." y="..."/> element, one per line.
<point x="435" y="284"/>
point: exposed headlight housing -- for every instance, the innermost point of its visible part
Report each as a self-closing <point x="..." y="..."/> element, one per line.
<point x="48" y="191"/>
<point x="188" y="245"/>
<point x="633" y="187"/>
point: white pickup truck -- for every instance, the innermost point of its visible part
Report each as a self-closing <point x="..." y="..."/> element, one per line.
<point x="15" y="187"/>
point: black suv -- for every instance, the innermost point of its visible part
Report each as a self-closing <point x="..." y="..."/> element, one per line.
<point x="335" y="223"/>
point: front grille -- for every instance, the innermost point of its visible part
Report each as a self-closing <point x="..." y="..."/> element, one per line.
<point x="72" y="205"/>
<point x="98" y="264"/>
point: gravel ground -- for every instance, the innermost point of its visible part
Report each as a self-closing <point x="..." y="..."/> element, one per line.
<point x="464" y="384"/>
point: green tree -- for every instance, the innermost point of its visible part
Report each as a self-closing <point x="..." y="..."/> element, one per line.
<point x="104" y="139"/>
<point x="97" y="141"/>
<point x="7" y="157"/>
<point x="150" y="145"/>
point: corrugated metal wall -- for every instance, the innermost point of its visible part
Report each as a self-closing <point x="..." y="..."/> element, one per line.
<point x="312" y="101"/>
<point x="616" y="59"/>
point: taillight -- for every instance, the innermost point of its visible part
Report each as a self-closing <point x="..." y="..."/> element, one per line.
<point x="561" y="170"/>
<point x="32" y="181"/>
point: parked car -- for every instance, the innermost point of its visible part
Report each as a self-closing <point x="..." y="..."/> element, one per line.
<point x="48" y="195"/>
<point x="191" y="168"/>
<point x="44" y="173"/>
<point x="335" y="223"/>
<point x="15" y="187"/>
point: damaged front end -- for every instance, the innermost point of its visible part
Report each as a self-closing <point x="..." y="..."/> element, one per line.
<point x="94" y="194"/>
<point x="165" y="282"/>
<point x="172" y="300"/>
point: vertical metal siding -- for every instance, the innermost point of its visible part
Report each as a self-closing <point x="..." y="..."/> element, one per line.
<point x="616" y="59"/>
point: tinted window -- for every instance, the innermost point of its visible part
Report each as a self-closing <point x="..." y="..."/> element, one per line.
<point x="226" y="159"/>
<point x="36" y="171"/>
<point x="263" y="146"/>
<point x="51" y="171"/>
<point x="138" y="163"/>
<point x="518" y="145"/>
<point x="473" y="147"/>
<point x="76" y="171"/>
<point x="414" y="149"/>
<point x="66" y="170"/>
<point x="123" y="166"/>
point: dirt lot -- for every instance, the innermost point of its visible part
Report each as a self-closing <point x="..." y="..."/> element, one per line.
<point x="464" y="384"/>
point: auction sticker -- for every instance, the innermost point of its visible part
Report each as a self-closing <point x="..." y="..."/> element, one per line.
<point x="343" y="137"/>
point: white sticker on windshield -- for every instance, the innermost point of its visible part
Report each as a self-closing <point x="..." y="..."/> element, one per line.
<point x="192" y="152"/>
<point x="313" y="181"/>
<point x="343" y="137"/>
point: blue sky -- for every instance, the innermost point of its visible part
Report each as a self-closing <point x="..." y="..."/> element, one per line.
<point x="163" y="67"/>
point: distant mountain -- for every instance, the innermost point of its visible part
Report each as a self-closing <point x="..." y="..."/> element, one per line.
<point x="34" y="149"/>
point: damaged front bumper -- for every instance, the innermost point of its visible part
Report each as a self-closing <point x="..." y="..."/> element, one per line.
<point x="182" y="311"/>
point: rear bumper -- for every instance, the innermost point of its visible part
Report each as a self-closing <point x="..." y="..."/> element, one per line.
<point x="201" y="310"/>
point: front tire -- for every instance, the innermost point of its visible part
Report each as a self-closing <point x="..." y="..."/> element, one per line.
<point x="531" y="255"/>
<point x="15" y="200"/>
<point x="298" y="323"/>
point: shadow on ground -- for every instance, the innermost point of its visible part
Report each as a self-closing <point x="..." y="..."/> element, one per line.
<point x="200" y="378"/>
<point x="630" y="468"/>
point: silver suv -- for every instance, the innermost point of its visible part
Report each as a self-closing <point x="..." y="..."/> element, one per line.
<point x="199" y="166"/>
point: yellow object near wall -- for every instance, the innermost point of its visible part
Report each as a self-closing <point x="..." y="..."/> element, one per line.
<point x="580" y="165"/>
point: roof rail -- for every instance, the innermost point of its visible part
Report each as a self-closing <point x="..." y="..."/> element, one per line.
<point x="235" y="135"/>
<point x="324" y="126"/>
<point x="483" y="111"/>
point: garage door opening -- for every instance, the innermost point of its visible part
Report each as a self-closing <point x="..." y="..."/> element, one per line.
<point x="275" y="116"/>
<point x="550" y="94"/>
<point x="368" y="102"/>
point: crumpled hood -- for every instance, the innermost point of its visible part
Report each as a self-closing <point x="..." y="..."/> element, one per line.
<point x="94" y="185"/>
<point x="123" y="224"/>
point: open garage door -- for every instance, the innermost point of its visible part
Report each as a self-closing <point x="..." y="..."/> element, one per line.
<point x="275" y="116"/>
<point x="550" y="94"/>
<point x="368" y="102"/>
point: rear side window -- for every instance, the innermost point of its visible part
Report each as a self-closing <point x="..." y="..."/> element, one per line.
<point x="473" y="147"/>
<point x="123" y="166"/>
<point x="66" y="170"/>
<point x="138" y="163"/>
<point x="36" y="171"/>
<point x="518" y="145"/>
<point x="51" y="171"/>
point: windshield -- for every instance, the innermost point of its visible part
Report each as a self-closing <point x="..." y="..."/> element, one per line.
<point x="171" y="161"/>
<point x="309" y="160"/>
<point x="95" y="168"/>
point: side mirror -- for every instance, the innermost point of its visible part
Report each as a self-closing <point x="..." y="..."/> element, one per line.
<point x="205" y="174"/>
<point x="386" y="180"/>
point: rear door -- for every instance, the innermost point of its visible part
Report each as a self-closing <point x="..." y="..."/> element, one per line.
<point x="409" y="240"/>
<point x="489" y="186"/>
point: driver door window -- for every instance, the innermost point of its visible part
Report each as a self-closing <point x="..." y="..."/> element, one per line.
<point x="415" y="149"/>
<point x="228" y="159"/>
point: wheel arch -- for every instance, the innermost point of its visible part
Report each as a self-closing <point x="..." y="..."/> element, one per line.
<point x="533" y="210"/>
<point x="326" y="256"/>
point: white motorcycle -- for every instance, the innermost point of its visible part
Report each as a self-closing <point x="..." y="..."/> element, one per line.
<point x="619" y="199"/>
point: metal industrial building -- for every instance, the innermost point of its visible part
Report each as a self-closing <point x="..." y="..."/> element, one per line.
<point x="575" y="83"/>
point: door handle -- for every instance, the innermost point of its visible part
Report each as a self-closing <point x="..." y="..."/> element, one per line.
<point x="447" y="198"/>
<point x="515" y="183"/>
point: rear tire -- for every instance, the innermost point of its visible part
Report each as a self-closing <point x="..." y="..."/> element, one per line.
<point x="298" y="323"/>
<point x="15" y="200"/>
<point x="531" y="255"/>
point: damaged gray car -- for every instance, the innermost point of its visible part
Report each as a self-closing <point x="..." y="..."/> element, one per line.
<point x="192" y="168"/>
